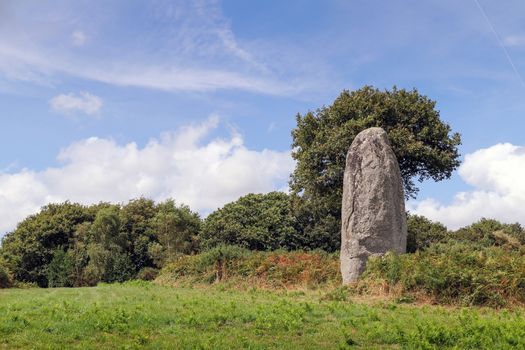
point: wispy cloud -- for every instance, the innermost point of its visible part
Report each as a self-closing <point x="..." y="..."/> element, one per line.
<point x="78" y="38"/>
<point x="272" y="126"/>
<point x="32" y="66"/>
<point x="194" y="50"/>
<point x="514" y="40"/>
<point x="83" y="102"/>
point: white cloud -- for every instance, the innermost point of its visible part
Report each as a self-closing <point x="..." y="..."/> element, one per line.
<point x="497" y="174"/>
<point x="83" y="102"/>
<point x="514" y="40"/>
<point x="194" y="49"/>
<point x="32" y="66"/>
<point x="178" y="165"/>
<point x="78" y="38"/>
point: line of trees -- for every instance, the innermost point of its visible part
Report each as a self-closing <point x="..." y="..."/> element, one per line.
<point x="70" y="244"/>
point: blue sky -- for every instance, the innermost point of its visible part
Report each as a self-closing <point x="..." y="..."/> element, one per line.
<point x="110" y="100"/>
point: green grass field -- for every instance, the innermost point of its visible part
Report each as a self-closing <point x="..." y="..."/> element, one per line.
<point x="140" y="315"/>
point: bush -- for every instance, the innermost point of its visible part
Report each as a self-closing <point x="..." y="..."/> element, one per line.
<point x="207" y="267"/>
<point x="25" y="285"/>
<point x="6" y="280"/>
<point x="422" y="233"/>
<point x="222" y="253"/>
<point x="276" y="269"/>
<point x="148" y="274"/>
<point x="453" y="273"/>
<point x="255" y="221"/>
<point x="489" y="232"/>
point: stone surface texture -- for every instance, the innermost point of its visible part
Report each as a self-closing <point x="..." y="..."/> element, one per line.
<point x="373" y="218"/>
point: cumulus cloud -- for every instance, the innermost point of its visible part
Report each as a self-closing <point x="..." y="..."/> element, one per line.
<point x="83" y="102"/>
<point x="497" y="174"/>
<point x="179" y="165"/>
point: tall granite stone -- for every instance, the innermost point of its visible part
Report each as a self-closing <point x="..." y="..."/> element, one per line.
<point x="373" y="219"/>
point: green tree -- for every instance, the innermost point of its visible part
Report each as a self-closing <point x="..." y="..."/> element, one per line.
<point x="108" y="257"/>
<point x="422" y="142"/>
<point x="78" y="253"/>
<point x="61" y="270"/>
<point x="70" y="244"/>
<point x="176" y="228"/>
<point x="422" y="232"/>
<point x="255" y="221"/>
<point x="31" y="246"/>
<point x="136" y="224"/>
<point x="105" y="229"/>
<point x="99" y="263"/>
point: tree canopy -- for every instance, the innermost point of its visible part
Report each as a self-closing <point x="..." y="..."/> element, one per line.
<point x="254" y="221"/>
<point x="70" y="244"/>
<point x="423" y="232"/>
<point x="424" y="145"/>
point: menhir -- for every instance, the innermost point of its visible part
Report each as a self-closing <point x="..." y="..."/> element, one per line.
<point x="373" y="218"/>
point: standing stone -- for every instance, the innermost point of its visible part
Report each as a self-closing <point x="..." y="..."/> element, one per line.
<point x="373" y="218"/>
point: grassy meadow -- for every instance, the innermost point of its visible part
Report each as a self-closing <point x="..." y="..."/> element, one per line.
<point x="138" y="315"/>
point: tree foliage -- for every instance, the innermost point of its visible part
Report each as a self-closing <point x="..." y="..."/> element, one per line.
<point x="255" y="221"/>
<point x="135" y="224"/>
<point x="177" y="229"/>
<point x="61" y="270"/>
<point x="424" y="146"/>
<point x="31" y="247"/>
<point x="70" y="245"/>
<point x="6" y="280"/>
<point x="422" y="232"/>
<point x="490" y="232"/>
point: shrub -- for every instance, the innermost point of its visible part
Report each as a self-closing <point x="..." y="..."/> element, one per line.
<point x="148" y="274"/>
<point x="25" y="285"/>
<point x="222" y="258"/>
<point x="489" y="232"/>
<point x="422" y="232"/>
<point x="6" y="280"/>
<point x="300" y="268"/>
<point x="453" y="273"/>
<point x="222" y="253"/>
<point x="276" y="269"/>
